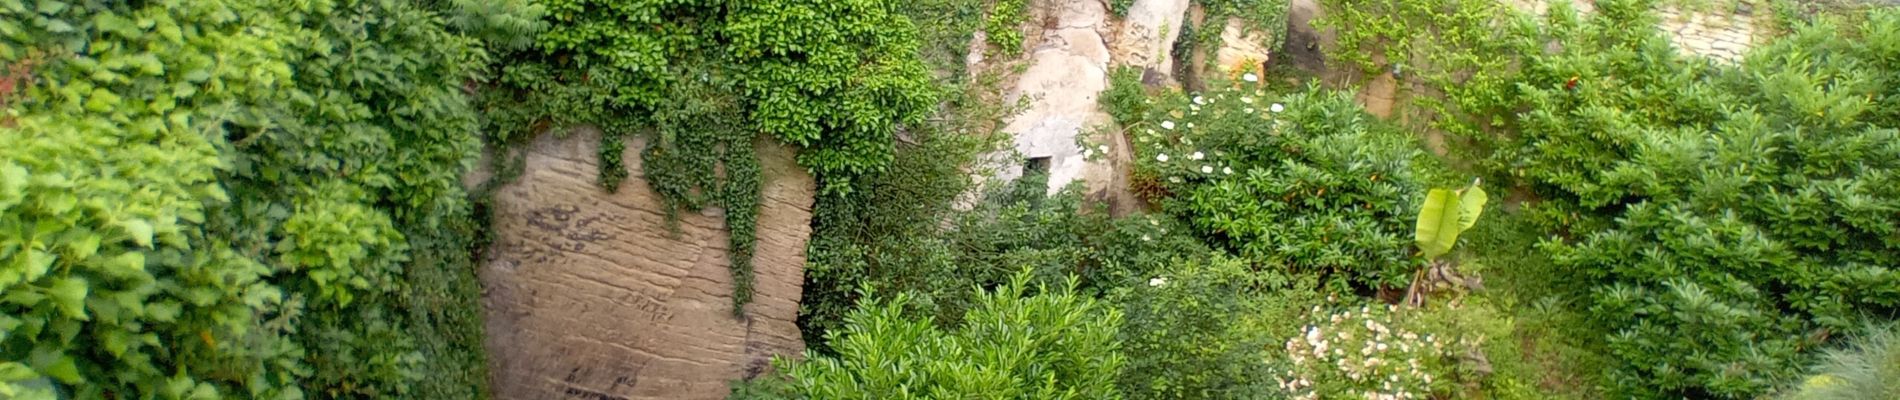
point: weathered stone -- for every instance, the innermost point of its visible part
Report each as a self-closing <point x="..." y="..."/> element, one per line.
<point x="1147" y="33"/>
<point x="1066" y="73"/>
<point x="1302" y="48"/>
<point x="1242" y="49"/>
<point x="588" y="296"/>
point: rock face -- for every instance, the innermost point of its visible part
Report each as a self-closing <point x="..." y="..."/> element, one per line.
<point x="588" y="296"/>
<point x="1242" y="49"/>
<point x="1068" y="69"/>
<point x="1148" y="33"/>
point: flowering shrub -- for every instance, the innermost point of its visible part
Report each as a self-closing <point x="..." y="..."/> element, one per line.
<point x="1305" y="181"/>
<point x="1366" y="353"/>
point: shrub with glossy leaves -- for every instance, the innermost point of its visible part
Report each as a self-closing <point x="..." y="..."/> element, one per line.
<point x="1056" y="344"/>
<point x="1305" y="182"/>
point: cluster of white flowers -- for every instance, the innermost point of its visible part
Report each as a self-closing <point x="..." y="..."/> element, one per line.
<point x="1359" y="354"/>
<point x="1170" y="142"/>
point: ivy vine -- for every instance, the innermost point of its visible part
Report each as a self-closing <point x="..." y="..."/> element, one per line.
<point x="705" y="81"/>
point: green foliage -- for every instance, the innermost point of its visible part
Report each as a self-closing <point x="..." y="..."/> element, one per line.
<point x="1004" y="26"/>
<point x="1444" y="215"/>
<point x="1869" y="368"/>
<point x="1126" y="99"/>
<point x="1734" y="274"/>
<point x="1057" y="344"/>
<point x="1200" y="330"/>
<point x="1302" y="183"/>
<point x="1371" y="352"/>
<point x="944" y="31"/>
<point x="882" y="233"/>
<point x="240" y="199"/>
<point x="1056" y="237"/>
<point x="704" y="78"/>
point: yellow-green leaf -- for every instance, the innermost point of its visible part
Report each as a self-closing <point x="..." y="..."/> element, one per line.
<point x="1437" y="225"/>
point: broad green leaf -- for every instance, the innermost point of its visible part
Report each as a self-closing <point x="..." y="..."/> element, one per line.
<point x="70" y="295"/>
<point x="1470" y="206"/>
<point x="126" y="263"/>
<point x="65" y="370"/>
<point x="1437" y="226"/>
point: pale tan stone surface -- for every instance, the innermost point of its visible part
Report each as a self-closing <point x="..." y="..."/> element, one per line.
<point x="1147" y="34"/>
<point x="588" y="296"/>
<point x="1241" y="49"/>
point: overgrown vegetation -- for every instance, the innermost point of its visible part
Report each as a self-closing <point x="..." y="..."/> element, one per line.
<point x="1003" y="27"/>
<point x="1720" y="245"/>
<point x="706" y="80"/>
<point x="241" y="199"/>
<point x="1052" y="344"/>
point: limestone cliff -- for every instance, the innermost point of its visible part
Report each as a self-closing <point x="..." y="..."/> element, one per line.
<point x="589" y="296"/>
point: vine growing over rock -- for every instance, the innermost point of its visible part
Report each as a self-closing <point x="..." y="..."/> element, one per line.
<point x="704" y="81"/>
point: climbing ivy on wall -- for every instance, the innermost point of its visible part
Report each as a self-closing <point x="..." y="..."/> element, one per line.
<point x="240" y="198"/>
<point x="704" y="80"/>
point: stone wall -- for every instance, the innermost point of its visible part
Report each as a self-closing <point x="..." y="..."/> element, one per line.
<point x="589" y="297"/>
<point x="1720" y="36"/>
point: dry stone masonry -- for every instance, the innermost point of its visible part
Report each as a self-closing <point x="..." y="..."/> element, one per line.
<point x="588" y="295"/>
<point x="1719" y="36"/>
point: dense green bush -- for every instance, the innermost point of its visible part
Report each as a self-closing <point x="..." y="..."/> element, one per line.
<point x="1203" y="330"/>
<point x="1056" y="344"/>
<point x="1018" y="225"/>
<point x="241" y="199"/>
<point x="1306" y="182"/>
<point x="1742" y="237"/>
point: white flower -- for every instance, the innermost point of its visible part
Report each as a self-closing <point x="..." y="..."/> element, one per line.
<point x="1196" y="156"/>
<point x="1102" y="148"/>
<point x="1146" y="238"/>
<point x="1167" y="124"/>
<point x="1207" y="170"/>
<point x="1190" y="125"/>
<point x="1194" y="108"/>
<point x="1088" y="153"/>
<point x="1382" y="347"/>
<point x="1249" y="110"/>
<point x="1250" y="77"/>
<point x="1227" y="170"/>
<point x="1277" y="107"/>
<point x="1161" y="157"/>
<point x="1157" y="281"/>
<point x="1199" y="100"/>
<point x="1174" y="179"/>
<point x="1248" y="100"/>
